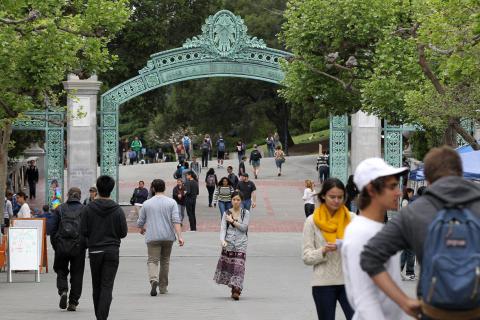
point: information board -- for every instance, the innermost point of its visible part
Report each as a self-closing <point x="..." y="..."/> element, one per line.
<point x="40" y="225"/>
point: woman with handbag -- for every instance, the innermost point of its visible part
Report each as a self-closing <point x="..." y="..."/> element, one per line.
<point x="322" y="237"/>
<point x="233" y="238"/>
<point x="279" y="159"/>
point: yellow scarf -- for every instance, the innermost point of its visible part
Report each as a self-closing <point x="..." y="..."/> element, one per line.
<point x="332" y="227"/>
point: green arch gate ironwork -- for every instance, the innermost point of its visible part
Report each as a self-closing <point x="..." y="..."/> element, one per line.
<point x="224" y="49"/>
<point x="52" y="122"/>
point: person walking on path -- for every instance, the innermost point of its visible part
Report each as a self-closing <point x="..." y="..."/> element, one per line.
<point x="180" y="152"/>
<point x="92" y="195"/>
<point x="232" y="177"/>
<point x="179" y="197"/>
<point x="161" y="216"/>
<point x="279" y="159"/>
<point x="7" y="210"/>
<point x="103" y="226"/>
<point x="240" y="150"/>
<point x="248" y="190"/>
<point x="140" y="194"/>
<point x="195" y="166"/>
<point x="69" y="245"/>
<point x="233" y="239"/>
<point x="209" y="141"/>
<point x="223" y="195"/>
<point x="31" y="174"/>
<point x="241" y="166"/>
<point x="24" y="211"/>
<point x="352" y="195"/>
<point x="191" y="193"/>
<point x="124" y="147"/>
<point x="323" y="166"/>
<point x="276" y="140"/>
<point x="220" y="151"/>
<point x="187" y="144"/>
<point x="254" y="161"/>
<point x="409" y="229"/>
<point x="211" y="182"/>
<point x="323" y="232"/>
<point x="407" y="258"/>
<point x="132" y="155"/>
<point x="379" y="188"/>
<point x="270" y="145"/>
<point x="205" y="147"/>
<point x="309" y="198"/>
<point x="137" y="147"/>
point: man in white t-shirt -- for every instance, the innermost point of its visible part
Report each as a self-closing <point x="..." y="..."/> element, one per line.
<point x="24" y="211"/>
<point x="379" y="188"/>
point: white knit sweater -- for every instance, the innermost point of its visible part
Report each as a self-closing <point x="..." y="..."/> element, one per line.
<point x="327" y="270"/>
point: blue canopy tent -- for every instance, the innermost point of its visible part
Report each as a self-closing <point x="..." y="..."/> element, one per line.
<point x="471" y="166"/>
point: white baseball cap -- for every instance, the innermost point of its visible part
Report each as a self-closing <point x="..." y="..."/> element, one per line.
<point x="373" y="168"/>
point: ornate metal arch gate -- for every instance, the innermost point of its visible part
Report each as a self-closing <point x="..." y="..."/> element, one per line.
<point x="52" y="123"/>
<point x="224" y="49"/>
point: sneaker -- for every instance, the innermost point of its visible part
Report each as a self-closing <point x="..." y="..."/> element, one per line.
<point x="279" y="174"/>
<point x="403" y="277"/>
<point x="163" y="290"/>
<point x="411" y="277"/>
<point x="63" y="300"/>
<point x="255" y="176"/>
<point x="235" y="295"/>
<point x="153" y="291"/>
<point x="72" y="307"/>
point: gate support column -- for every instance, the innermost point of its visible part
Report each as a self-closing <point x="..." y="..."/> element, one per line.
<point x="366" y="138"/>
<point x="339" y="147"/>
<point x="82" y="132"/>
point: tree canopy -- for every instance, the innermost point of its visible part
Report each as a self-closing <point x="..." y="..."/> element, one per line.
<point x="405" y="61"/>
<point x="40" y="43"/>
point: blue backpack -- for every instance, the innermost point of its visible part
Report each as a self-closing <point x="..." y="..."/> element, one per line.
<point x="450" y="277"/>
<point x="221" y="145"/>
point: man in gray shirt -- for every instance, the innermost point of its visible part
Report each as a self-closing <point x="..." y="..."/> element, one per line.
<point x="161" y="215"/>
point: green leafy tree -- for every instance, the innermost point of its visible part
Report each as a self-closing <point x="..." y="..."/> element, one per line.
<point x="405" y="61"/>
<point x="43" y="41"/>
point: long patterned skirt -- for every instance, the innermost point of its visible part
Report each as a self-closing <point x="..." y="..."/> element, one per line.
<point x="231" y="269"/>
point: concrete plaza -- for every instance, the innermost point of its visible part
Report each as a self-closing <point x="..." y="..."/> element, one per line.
<point x="277" y="283"/>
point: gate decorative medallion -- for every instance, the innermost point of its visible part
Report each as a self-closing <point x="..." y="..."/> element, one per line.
<point x="224" y="49"/>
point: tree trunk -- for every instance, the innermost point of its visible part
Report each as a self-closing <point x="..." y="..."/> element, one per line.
<point x="464" y="134"/>
<point x="5" y="134"/>
<point x="280" y="120"/>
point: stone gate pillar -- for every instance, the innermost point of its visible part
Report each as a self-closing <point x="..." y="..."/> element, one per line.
<point x="82" y="132"/>
<point x="366" y="138"/>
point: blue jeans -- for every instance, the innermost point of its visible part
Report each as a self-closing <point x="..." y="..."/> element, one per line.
<point x="326" y="298"/>
<point x="224" y="206"/>
<point x="246" y="204"/>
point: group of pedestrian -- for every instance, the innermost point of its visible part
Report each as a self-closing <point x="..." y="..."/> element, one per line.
<point x="356" y="258"/>
<point x="97" y="226"/>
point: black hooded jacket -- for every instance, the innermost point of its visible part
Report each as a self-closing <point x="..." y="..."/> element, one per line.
<point x="103" y="225"/>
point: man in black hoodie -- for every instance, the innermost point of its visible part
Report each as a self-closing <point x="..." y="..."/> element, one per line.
<point x="69" y="251"/>
<point x="103" y="225"/>
<point x="409" y="228"/>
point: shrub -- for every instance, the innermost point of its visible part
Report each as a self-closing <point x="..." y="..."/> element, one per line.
<point x="319" y="125"/>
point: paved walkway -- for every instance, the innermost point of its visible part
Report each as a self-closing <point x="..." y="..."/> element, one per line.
<point x="277" y="285"/>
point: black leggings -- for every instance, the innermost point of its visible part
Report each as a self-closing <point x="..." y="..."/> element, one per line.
<point x="211" y="190"/>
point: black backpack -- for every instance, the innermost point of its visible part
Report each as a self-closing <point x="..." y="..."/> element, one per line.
<point x="255" y="155"/>
<point x="68" y="240"/>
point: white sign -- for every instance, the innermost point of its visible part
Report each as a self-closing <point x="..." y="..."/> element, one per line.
<point x="32" y="223"/>
<point x="23" y="250"/>
<point x="80" y="115"/>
